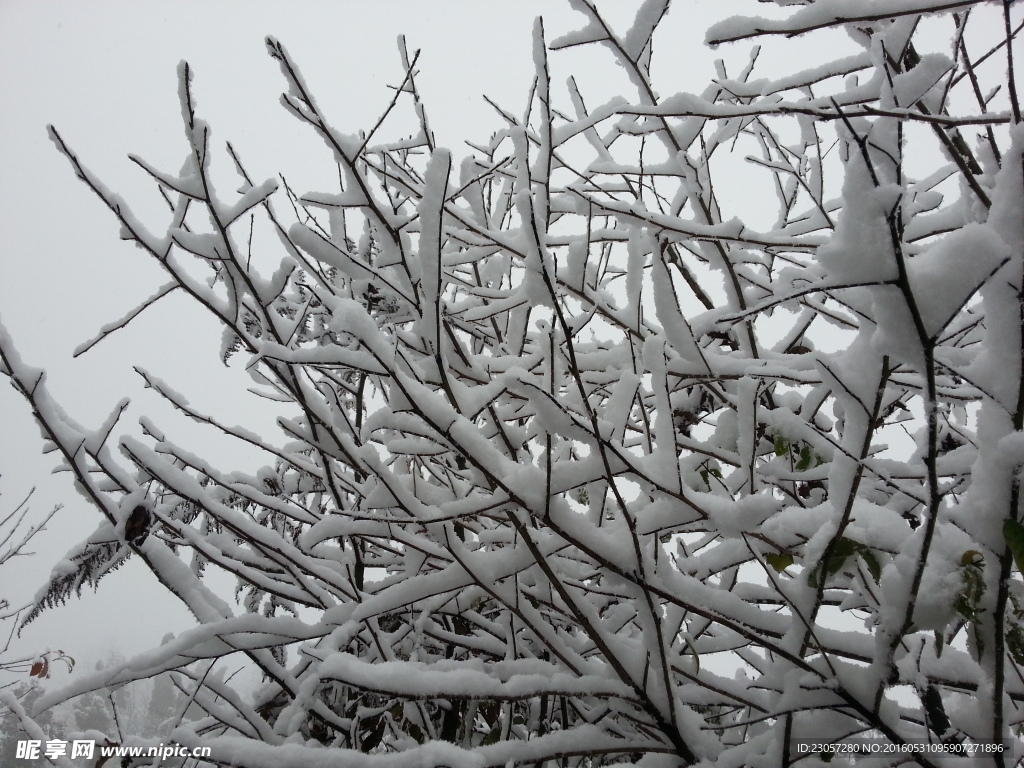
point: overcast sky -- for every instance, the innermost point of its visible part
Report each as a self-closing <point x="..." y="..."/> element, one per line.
<point x="104" y="73"/>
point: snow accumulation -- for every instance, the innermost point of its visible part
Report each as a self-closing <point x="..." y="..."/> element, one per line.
<point x="579" y="466"/>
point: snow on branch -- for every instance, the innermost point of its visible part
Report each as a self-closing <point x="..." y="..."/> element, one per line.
<point x="584" y="459"/>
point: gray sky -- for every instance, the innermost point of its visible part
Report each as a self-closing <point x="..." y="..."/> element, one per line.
<point x="104" y="73"/>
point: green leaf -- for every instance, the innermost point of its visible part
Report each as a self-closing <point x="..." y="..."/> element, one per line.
<point x="937" y="718"/>
<point x="707" y="473"/>
<point x="971" y="593"/>
<point x="805" y="459"/>
<point x="1013" y="532"/>
<point x="968" y="602"/>
<point x="781" y="446"/>
<point x="780" y="561"/>
<point x="840" y="553"/>
<point x="874" y="567"/>
<point x="1015" y="643"/>
<point x="492" y="737"/>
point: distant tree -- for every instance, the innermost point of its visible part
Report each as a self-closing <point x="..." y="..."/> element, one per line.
<point x="578" y="467"/>
<point x="92" y="712"/>
<point x="12" y="727"/>
<point x="166" y="709"/>
<point x="145" y="708"/>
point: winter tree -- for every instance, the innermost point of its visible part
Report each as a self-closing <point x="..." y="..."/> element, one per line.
<point x="141" y="708"/>
<point x="16" y="725"/>
<point x="579" y="462"/>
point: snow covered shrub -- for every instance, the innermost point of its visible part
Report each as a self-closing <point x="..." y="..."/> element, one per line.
<point x="580" y="468"/>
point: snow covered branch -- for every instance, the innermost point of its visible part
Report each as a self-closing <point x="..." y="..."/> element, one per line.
<point x="586" y="458"/>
